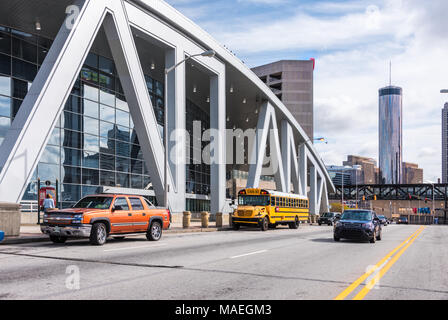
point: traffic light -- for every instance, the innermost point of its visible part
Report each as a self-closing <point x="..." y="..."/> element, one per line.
<point x="363" y="198"/>
<point x="374" y="197"/>
<point x="426" y="200"/>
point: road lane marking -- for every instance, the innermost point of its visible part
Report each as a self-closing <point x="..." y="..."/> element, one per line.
<point x="132" y="248"/>
<point x="383" y="271"/>
<point x="357" y="282"/>
<point x="248" y="254"/>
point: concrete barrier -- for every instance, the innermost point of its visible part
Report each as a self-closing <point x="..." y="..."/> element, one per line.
<point x="10" y="218"/>
<point x="186" y="221"/>
<point x="205" y="219"/>
<point x="218" y="217"/>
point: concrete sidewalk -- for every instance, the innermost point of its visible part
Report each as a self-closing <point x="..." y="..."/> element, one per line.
<point x="32" y="233"/>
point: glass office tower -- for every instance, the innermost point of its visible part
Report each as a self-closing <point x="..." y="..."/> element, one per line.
<point x="390" y="134"/>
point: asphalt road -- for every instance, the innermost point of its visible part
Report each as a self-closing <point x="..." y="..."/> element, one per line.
<point x="245" y="264"/>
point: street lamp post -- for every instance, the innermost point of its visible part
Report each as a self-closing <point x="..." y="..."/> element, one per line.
<point x="210" y="54"/>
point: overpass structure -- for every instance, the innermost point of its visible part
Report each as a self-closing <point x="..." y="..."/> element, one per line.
<point x="392" y="192"/>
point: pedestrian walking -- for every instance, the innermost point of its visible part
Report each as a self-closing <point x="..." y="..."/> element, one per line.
<point x="48" y="203"/>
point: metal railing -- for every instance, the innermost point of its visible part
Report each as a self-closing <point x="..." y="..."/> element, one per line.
<point x="29" y="206"/>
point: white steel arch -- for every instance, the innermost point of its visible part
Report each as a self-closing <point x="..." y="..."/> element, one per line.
<point x="30" y="131"/>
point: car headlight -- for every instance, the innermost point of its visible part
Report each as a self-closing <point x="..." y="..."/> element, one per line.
<point x="338" y="224"/>
<point x="368" y="225"/>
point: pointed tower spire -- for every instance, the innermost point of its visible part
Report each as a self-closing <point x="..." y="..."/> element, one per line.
<point x="390" y="73"/>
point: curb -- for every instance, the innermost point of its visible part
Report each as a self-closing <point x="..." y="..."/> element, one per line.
<point x="44" y="238"/>
<point x="20" y="240"/>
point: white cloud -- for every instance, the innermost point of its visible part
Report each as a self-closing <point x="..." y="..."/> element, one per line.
<point x="353" y="42"/>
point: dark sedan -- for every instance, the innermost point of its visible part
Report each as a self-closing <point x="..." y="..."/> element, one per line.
<point x="383" y="220"/>
<point x="358" y="225"/>
<point x="327" y="218"/>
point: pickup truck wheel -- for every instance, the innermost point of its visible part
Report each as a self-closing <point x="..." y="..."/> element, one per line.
<point x="58" y="239"/>
<point x="155" y="231"/>
<point x="98" y="235"/>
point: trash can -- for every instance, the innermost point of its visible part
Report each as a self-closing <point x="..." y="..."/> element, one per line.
<point x="2" y="235"/>
<point x="204" y="219"/>
<point x="186" y="219"/>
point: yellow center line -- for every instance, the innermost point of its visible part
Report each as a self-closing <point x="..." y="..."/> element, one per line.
<point x="357" y="282"/>
<point x="383" y="271"/>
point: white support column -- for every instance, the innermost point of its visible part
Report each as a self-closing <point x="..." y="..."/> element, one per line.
<point x="324" y="204"/>
<point x="131" y="75"/>
<point x="289" y="158"/>
<point x="39" y="112"/>
<point x="267" y="126"/>
<point x="303" y="168"/>
<point x="218" y="137"/>
<point x="313" y="194"/>
<point x="320" y="183"/>
<point x="176" y="126"/>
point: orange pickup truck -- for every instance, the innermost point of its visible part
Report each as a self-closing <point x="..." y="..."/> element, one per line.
<point x="98" y="216"/>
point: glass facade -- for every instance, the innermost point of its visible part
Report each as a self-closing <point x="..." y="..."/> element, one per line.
<point x="197" y="175"/>
<point x="94" y="143"/>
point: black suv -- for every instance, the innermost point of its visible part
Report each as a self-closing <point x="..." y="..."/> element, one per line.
<point x="358" y="224"/>
<point x="327" y="218"/>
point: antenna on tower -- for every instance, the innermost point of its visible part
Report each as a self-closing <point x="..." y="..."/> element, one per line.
<point x="390" y="73"/>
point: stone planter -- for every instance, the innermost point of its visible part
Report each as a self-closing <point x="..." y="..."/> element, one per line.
<point x="219" y="221"/>
<point x="10" y="218"/>
<point x="204" y="219"/>
<point x="186" y="221"/>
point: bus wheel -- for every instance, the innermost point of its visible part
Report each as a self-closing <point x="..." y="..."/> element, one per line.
<point x="295" y="224"/>
<point x="265" y="224"/>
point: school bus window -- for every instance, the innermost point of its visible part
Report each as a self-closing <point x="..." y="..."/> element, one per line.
<point x="249" y="200"/>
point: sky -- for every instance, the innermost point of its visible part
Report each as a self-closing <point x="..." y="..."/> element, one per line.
<point x="353" y="43"/>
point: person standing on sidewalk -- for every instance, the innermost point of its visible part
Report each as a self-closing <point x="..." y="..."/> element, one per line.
<point x="48" y="203"/>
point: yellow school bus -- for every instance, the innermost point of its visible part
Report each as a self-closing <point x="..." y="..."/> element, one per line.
<point x="267" y="209"/>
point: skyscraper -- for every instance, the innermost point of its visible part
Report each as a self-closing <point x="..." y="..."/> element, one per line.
<point x="445" y="144"/>
<point x="292" y="82"/>
<point x="390" y="134"/>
